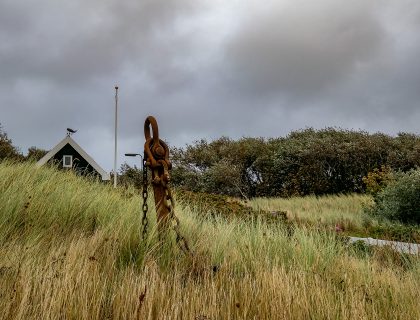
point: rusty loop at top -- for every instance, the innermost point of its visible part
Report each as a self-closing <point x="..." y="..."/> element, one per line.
<point x="151" y="121"/>
<point x="155" y="149"/>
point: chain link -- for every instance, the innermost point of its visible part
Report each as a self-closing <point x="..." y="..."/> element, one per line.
<point x="180" y="239"/>
<point x="145" y="207"/>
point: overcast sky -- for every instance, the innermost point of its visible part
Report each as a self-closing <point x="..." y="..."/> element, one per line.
<point x="205" y="69"/>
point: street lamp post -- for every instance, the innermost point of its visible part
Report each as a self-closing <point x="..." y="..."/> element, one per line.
<point x="136" y="155"/>
<point x="133" y="155"/>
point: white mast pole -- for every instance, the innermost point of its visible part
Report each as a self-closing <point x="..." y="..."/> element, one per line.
<point x="116" y="130"/>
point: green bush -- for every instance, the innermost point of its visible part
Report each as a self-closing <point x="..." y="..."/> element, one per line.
<point x="400" y="200"/>
<point x="376" y="180"/>
<point x="305" y="162"/>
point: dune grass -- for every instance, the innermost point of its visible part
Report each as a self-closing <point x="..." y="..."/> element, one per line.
<point x="70" y="248"/>
<point x="346" y="210"/>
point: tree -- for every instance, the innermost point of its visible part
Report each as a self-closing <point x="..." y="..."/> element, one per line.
<point x="327" y="161"/>
<point x="7" y="150"/>
<point x="128" y="175"/>
<point x="35" y="154"/>
<point x="223" y="166"/>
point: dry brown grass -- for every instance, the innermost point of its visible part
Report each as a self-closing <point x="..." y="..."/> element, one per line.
<point x="327" y="210"/>
<point x="68" y="267"/>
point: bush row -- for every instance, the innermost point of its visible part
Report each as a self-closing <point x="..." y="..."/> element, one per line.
<point x="305" y="162"/>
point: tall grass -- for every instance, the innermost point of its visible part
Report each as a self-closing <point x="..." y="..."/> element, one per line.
<point x="347" y="213"/>
<point x="327" y="210"/>
<point x="71" y="248"/>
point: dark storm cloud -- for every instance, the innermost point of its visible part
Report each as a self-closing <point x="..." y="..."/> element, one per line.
<point x="329" y="63"/>
<point x="80" y="40"/>
<point x="205" y="68"/>
<point x="302" y="48"/>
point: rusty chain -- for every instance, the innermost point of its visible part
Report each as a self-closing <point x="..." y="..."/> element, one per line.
<point x="180" y="239"/>
<point x="145" y="207"/>
<point x="156" y="158"/>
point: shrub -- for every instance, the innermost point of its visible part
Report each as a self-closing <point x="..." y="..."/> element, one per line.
<point x="35" y="154"/>
<point x="400" y="200"/>
<point x="130" y="176"/>
<point x="378" y="179"/>
<point x="7" y="149"/>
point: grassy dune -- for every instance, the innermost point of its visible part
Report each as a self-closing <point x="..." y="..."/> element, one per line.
<point x="342" y="211"/>
<point x="70" y="248"/>
<point x="326" y="210"/>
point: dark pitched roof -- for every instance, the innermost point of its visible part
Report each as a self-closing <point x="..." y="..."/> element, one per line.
<point x="68" y="140"/>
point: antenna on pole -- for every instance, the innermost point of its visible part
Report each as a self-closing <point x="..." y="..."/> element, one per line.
<point x="116" y="131"/>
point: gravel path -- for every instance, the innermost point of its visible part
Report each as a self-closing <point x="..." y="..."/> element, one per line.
<point x="404" y="247"/>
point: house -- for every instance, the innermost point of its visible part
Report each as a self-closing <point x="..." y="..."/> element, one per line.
<point x="67" y="154"/>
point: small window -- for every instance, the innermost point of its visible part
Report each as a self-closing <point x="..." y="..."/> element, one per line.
<point x="67" y="161"/>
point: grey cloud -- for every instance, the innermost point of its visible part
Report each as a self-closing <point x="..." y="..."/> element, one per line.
<point x="303" y="48"/>
<point x="78" y="41"/>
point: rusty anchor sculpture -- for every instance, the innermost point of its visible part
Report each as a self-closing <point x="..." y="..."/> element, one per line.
<point x="156" y="158"/>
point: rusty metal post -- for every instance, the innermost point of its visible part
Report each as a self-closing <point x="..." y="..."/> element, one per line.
<point x="156" y="154"/>
<point x="156" y="158"/>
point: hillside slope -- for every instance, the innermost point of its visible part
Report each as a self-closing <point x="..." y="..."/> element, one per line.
<point x="70" y="248"/>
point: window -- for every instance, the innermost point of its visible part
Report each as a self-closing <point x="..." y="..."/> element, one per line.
<point x="67" y="161"/>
